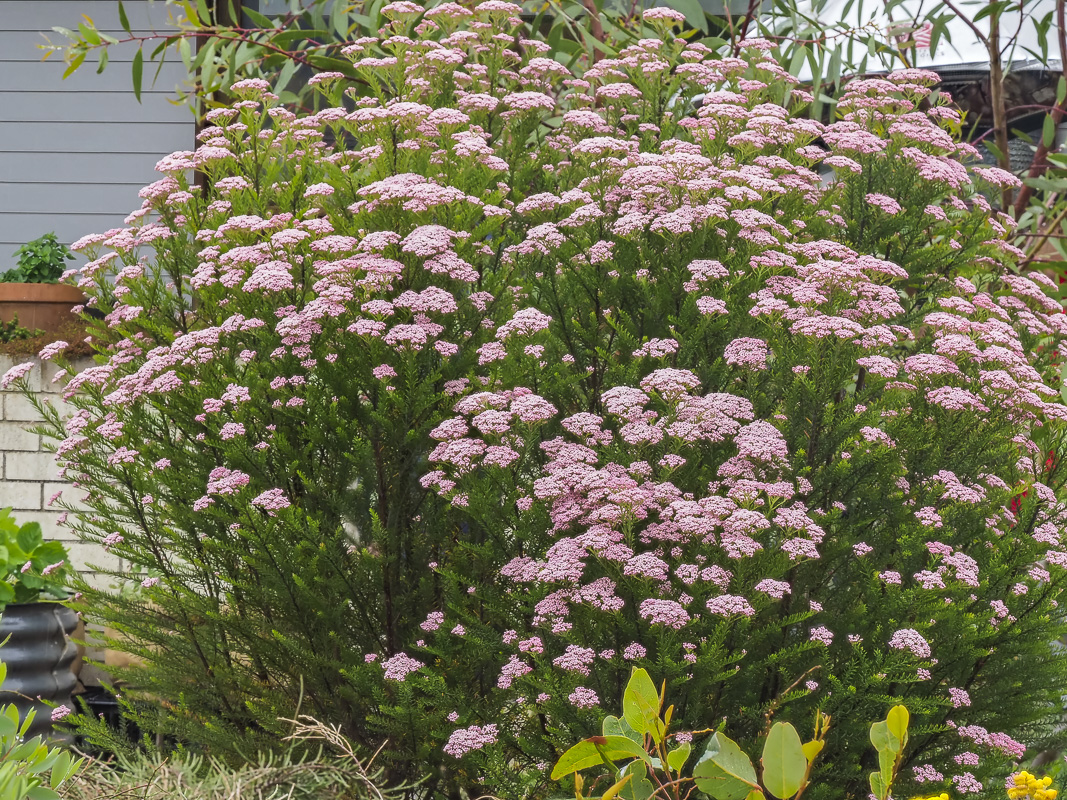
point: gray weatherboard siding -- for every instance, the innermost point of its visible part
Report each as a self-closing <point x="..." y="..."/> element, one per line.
<point x="74" y="152"/>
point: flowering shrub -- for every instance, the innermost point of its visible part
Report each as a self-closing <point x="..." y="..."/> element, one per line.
<point x="437" y="418"/>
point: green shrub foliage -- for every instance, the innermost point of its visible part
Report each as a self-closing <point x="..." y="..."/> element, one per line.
<point x="437" y="413"/>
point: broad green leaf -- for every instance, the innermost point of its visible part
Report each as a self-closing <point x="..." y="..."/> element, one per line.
<point x="878" y="786"/>
<point x="30" y="536"/>
<point x="138" y="72"/>
<point x="812" y="749"/>
<point x="41" y="793"/>
<point x="7" y="728"/>
<point x="883" y="739"/>
<point x="676" y="758"/>
<point x="897" y="722"/>
<point x="784" y="763"/>
<point x="588" y="753"/>
<point x="756" y="794"/>
<point x="725" y="772"/>
<point x="640" y="788"/>
<point x="887" y="759"/>
<point x="613" y="726"/>
<point x="640" y="704"/>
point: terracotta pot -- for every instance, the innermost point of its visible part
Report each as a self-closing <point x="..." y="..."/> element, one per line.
<point x="39" y="656"/>
<point x="39" y="306"/>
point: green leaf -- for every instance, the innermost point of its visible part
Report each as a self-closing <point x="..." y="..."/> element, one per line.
<point x="676" y="758"/>
<point x="886" y="762"/>
<point x="878" y="787"/>
<point x="593" y="751"/>
<point x="90" y="35"/>
<point x="41" y="793"/>
<point x="784" y="762"/>
<point x="613" y="792"/>
<point x="60" y="770"/>
<point x="640" y="704"/>
<point x="724" y="771"/>
<point x="138" y="72"/>
<point x="259" y="20"/>
<point x="883" y="739"/>
<point x="640" y="788"/>
<point x="1061" y="90"/>
<point x="812" y="749"/>
<point x="75" y="62"/>
<point x="124" y="21"/>
<point x="29" y="537"/>
<point x="897" y="722"/>
<point x="613" y="726"/>
<point x="1048" y="131"/>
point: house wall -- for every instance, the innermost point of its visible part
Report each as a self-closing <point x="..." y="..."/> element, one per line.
<point x="74" y="152"/>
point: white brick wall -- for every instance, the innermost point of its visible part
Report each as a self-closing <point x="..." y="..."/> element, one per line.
<point x="30" y="477"/>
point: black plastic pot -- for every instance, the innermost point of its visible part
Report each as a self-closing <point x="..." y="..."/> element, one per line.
<point x="39" y="656"/>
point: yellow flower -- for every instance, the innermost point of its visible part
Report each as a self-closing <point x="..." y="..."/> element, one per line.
<point x="1030" y="787"/>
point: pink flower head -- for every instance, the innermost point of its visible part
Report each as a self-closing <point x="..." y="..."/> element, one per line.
<point x="911" y="640"/>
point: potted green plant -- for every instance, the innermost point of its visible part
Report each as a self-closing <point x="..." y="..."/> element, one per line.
<point x="35" y="627"/>
<point x="31" y="291"/>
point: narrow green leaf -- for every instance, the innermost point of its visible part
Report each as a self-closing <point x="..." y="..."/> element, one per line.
<point x="138" y="70"/>
<point x="60" y="769"/>
<point x="784" y="762"/>
<point x="1061" y="90"/>
<point x="258" y="19"/>
<point x="102" y="64"/>
<point x="41" y="793"/>
<point x="74" y="64"/>
<point x="1048" y="131"/>
<point x="613" y="792"/>
<point x="90" y="35"/>
<point x="124" y="21"/>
